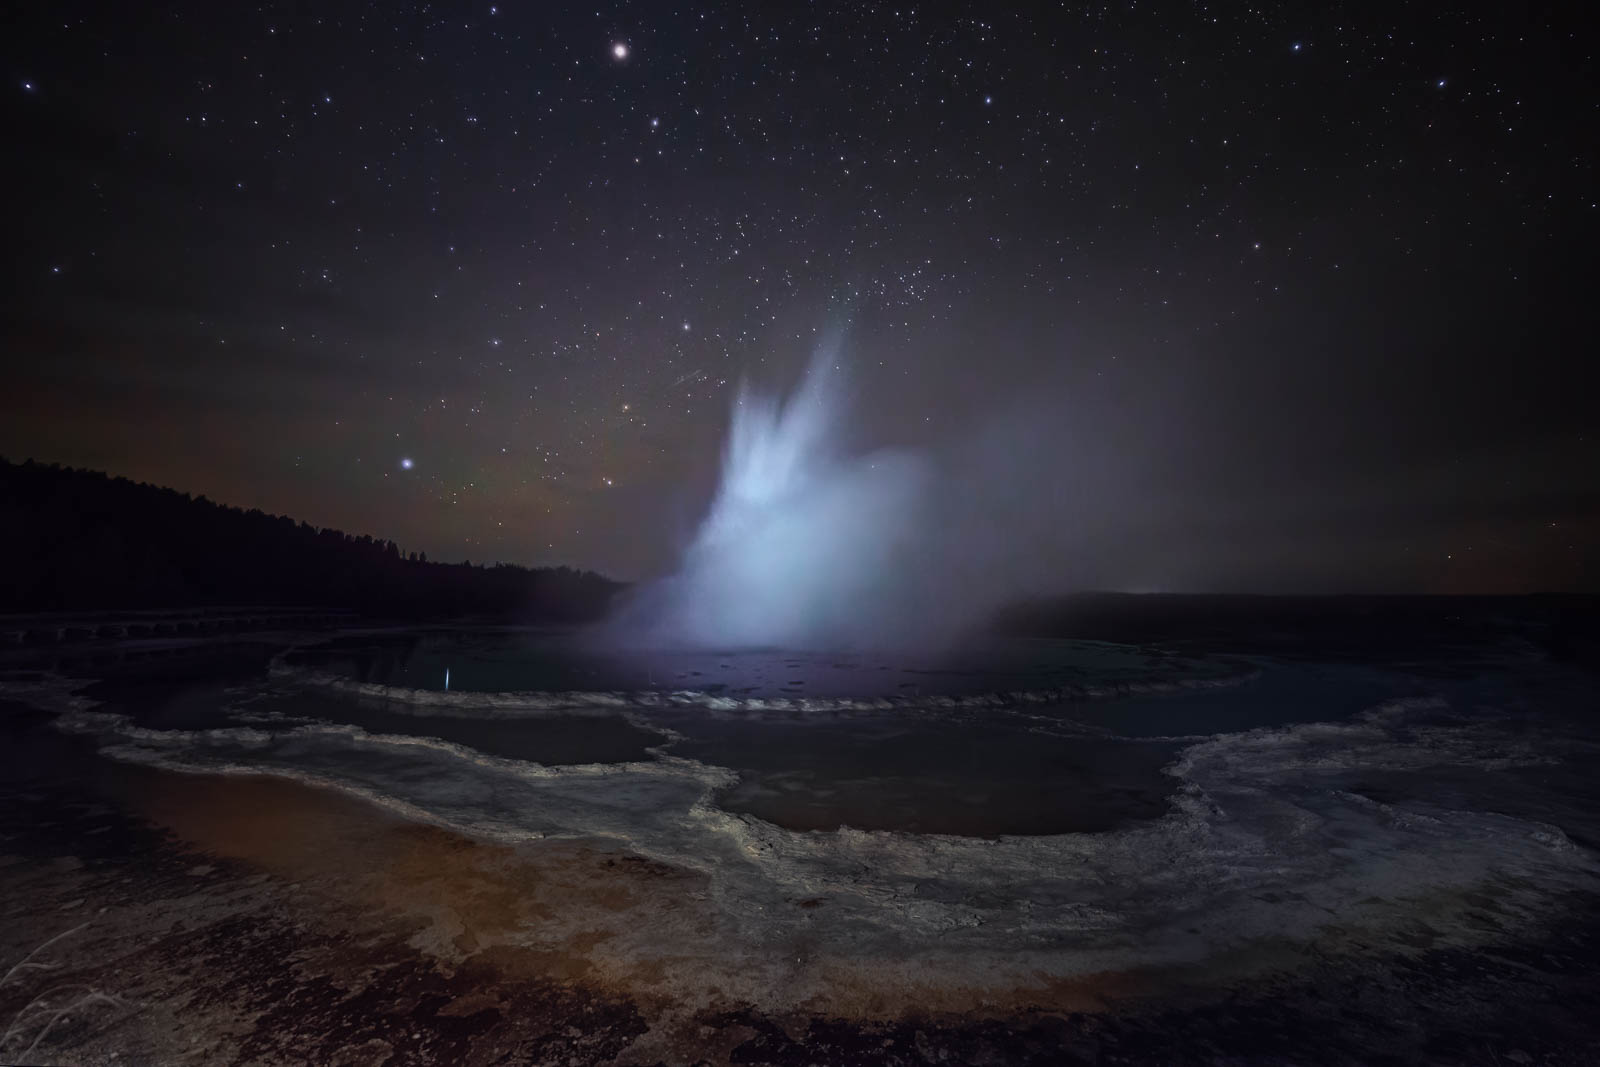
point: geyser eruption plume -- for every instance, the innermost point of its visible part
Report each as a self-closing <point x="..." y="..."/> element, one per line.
<point x="803" y="547"/>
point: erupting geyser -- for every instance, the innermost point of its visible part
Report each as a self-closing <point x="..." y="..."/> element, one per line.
<point x="803" y="547"/>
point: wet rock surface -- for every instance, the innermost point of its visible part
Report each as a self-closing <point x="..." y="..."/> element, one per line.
<point x="1324" y="862"/>
<point x="208" y="956"/>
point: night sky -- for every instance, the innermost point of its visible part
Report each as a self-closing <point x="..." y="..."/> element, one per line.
<point x="1288" y="298"/>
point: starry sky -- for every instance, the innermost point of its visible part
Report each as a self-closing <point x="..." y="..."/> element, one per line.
<point x="1290" y="297"/>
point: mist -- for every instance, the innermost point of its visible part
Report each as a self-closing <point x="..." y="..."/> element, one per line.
<point x="807" y="545"/>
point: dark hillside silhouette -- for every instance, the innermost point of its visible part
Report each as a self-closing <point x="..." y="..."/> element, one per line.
<point x="81" y="540"/>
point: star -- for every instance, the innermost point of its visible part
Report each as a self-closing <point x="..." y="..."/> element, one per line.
<point x="619" y="50"/>
<point x="406" y="463"/>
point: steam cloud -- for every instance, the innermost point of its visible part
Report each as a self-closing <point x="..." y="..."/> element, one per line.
<point x="805" y="547"/>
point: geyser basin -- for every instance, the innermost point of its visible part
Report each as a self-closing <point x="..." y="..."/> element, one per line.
<point x="974" y="743"/>
<point x="1377" y="825"/>
<point x="1008" y="737"/>
<point x="1026" y="816"/>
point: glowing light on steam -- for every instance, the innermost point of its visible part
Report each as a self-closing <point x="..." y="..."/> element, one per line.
<point x="803" y="546"/>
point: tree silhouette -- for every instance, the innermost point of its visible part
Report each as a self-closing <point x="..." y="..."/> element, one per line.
<point x="80" y="540"/>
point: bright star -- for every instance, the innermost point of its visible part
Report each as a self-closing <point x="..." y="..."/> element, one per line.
<point x="619" y="50"/>
<point x="406" y="464"/>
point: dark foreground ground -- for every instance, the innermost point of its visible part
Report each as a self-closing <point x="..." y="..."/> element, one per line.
<point x="203" y="919"/>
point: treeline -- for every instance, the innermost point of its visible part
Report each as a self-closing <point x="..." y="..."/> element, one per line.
<point x="81" y="540"/>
